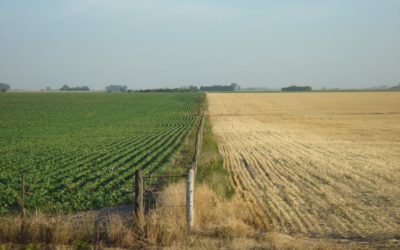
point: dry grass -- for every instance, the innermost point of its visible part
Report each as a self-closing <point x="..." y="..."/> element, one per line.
<point x="55" y="230"/>
<point x="93" y="230"/>
<point x="314" y="165"/>
<point x="220" y="224"/>
<point x="226" y="224"/>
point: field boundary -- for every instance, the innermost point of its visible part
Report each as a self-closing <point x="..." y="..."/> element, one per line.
<point x="140" y="189"/>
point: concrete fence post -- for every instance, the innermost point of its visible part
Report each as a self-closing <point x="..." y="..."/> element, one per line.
<point x="190" y="199"/>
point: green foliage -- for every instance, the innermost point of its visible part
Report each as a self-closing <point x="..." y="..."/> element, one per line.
<point x="294" y="88"/>
<point x="231" y="87"/>
<point x="67" y="88"/>
<point x="31" y="247"/>
<point x="116" y="88"/>
<point x="211" y="166"/>
<point x="80" y="151"/>
<point x="81" y="245"/>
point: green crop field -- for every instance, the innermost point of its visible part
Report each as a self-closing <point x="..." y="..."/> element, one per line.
<point x="79" y="151"/>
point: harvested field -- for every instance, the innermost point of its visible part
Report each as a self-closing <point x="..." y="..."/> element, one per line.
<point x="314" y="164"/>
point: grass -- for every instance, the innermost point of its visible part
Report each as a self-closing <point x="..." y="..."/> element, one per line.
<point x="211" y="170"/>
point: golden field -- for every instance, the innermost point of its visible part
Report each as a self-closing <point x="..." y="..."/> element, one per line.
<point x="318" y="165"/>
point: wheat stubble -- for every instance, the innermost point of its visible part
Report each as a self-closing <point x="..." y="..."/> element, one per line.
<point x="314" y="164"/>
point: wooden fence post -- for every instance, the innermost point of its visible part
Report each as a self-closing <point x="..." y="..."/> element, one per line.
<point x="139" y="206"/>
<point x="189" y="199"/>
<point x="197" y="146"/>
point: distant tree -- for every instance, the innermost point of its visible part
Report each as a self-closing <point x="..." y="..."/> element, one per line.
<point x="193" y="88"/>
<point x="4" y="87"/>
<point x="48" y="88"/>
<point x="231" y="87"/>
<point x="190" y="88"/>
<point x="295" y="88"/>
<point x="116" y="88"/>
<point x="235" y="86"/>
<point x="67" y="88"/>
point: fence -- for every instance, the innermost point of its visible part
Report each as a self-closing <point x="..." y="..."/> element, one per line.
<point x="139" y="189"/>
<point x="190" y="179"/>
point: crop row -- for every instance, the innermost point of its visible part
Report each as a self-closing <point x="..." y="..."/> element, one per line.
<point x="87" y="154"/>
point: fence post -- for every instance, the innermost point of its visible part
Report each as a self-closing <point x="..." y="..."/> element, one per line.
<point x="139" y="206"/>
<point x="189" y="199"/>
<point x="198" y="142"/>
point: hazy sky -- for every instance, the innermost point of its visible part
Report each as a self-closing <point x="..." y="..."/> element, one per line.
<point x="169" y="43"/>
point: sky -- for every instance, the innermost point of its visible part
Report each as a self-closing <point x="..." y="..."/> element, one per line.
<point x="172" y="43"/>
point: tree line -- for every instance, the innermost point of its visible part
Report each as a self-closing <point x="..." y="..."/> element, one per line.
<point x="295" y="88"/>
<point x="67" y="88"/>
<point x="192" y="88"/>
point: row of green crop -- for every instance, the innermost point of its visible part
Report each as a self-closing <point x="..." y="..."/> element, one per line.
<point x="88" y="157"/>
